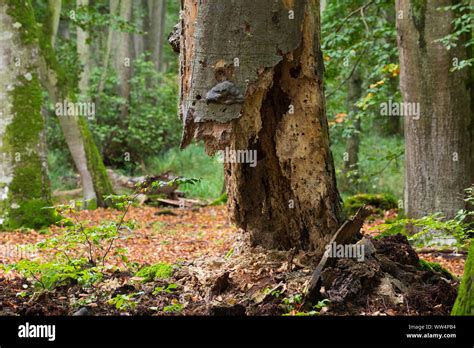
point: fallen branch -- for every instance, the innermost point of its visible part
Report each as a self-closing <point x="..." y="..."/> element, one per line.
<point x="442" y="251"/>
<point x="344" y="235"/>
<point x="182" y="202"/>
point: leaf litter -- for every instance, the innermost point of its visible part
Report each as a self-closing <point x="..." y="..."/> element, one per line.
<point x="215" y="272"/>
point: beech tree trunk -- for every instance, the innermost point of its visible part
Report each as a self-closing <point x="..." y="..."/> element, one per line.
<point x="438" y="147"/>
<point x="123" y="56"/>
<point x="139" y="13"/>
<point x="84" y="53"/>
<point x="252" y="79"/>
<point x="86" y="157"/>
<point x="24" y="183"/>
<point x="154" y="26"/>
<point x="353" y="141"/>
<point x="113" y="11"/>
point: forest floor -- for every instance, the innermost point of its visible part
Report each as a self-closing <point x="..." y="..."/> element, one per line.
<point x="214" y="271"/>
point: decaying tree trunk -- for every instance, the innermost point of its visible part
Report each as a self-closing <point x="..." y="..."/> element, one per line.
<point x="251" y="80"/>
<point x="24" y="183"/>
<point x="438" y="147"/>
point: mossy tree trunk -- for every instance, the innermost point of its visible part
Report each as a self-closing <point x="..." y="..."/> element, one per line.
<point x="438" y="146"/>
<point x="464" y="304"/>
<point x="62" y="89"/>
<point x="252" y="80"/>
<point x="25" y="188"/>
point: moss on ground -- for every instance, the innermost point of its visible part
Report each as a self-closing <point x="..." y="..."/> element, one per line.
<point x="158" y="270"/>
<point x="435" y="267"/>
<point x="380" y="201"/>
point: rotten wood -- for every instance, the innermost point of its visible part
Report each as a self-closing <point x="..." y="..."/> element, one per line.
<point x="344" y="235"/>
<point x="251" y="81"/>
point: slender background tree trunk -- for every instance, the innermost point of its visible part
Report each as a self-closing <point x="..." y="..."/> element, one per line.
<point x="83" y="50"/>
<point x="123" y="56"/>
<point x="154" y="26"/>
<point x="353" y="141"/>
<point x="113" y="10"/>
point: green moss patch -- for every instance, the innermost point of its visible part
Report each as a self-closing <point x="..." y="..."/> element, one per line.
<point x="158" y="270"/>
<point x="380" y="201"/>
<point x="29" y="189"/>
<point x="22" y="12"/>
<point x="435" y="267"/>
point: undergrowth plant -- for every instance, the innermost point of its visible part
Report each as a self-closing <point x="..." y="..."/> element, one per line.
<point x="80" y="253"/>
<point x="124" y="302"/>
<point x="293" y="306"/>
<point x="461" y="227"/>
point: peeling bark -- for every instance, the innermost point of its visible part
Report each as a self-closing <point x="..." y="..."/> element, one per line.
<point x="270" y="54"/>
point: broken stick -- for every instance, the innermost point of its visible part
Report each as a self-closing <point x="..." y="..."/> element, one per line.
<point x="343" y="235"/>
